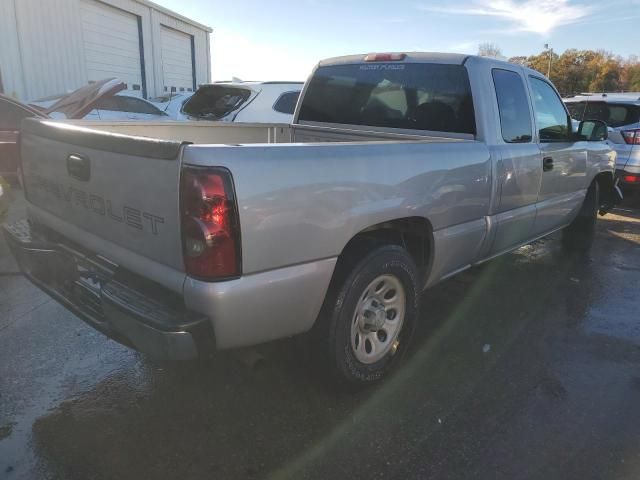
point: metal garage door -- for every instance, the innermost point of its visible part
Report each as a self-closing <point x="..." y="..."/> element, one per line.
<point x="112" y="45"/>
<point x="177" y="60"/>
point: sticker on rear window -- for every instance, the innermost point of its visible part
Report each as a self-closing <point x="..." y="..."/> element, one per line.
<point x="383" y="66"/>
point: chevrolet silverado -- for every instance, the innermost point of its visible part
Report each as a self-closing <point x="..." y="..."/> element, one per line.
<point x="398" y="171"/>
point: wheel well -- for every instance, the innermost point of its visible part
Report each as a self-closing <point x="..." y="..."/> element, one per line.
<point x="415" y="234"/>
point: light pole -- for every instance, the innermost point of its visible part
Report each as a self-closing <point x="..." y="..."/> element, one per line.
<point x="550" y="50"/>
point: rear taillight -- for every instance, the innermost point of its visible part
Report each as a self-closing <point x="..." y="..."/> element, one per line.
<point x="630" y="178"/>
<point x="385" y="57"/>
<point x="210" y="226"/>
<point x="631" y="137"/>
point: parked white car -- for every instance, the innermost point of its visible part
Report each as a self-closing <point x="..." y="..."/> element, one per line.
<point x="171" y="103"/>
<point x="126" y="107"/>
<point x="110" y="107"/>
<point x="72" y="106"/>
<point x="249" y="102"/>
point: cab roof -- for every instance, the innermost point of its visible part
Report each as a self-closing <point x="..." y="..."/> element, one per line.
<point x="426" y="57"/>
<point x="410" y="57"/>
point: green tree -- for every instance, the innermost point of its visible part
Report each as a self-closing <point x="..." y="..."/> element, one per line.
<point x="605" y="72"/>
<point x="631" y="74"/>
<point x="633" y="78"/>
<point x="540" y="62"/>
<point x="577" y="71"/>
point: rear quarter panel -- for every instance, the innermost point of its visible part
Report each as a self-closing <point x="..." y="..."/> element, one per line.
<point x="304" y="202"/>
<point x="600" y="158"/>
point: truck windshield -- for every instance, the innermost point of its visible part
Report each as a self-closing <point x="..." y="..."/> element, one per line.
<point x="413" y="96"/>
<point x="213" y="102"/>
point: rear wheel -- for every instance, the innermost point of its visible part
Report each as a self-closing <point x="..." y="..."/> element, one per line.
<point x="368" y="317"/>
<point x="580" y="233"/>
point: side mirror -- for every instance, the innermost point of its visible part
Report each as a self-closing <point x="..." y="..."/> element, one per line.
<point x="593" y="131"/>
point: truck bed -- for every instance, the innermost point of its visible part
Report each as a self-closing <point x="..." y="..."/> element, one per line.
<point x="213" y="133"/>
<point x="297" y="203"/>
<point x="116" y="197"/>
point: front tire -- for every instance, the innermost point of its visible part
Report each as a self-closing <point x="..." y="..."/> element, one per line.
<point x="579" y="235"/>
<point x="368" y="317"/>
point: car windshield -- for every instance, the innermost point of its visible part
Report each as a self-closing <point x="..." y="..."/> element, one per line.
<point x="213" y="102"/>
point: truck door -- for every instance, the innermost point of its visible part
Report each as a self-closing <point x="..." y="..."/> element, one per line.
<point x="518" y="156"/>
<point x="563" y="162"/>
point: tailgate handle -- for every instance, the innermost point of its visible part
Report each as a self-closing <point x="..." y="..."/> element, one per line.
<point x="79" y="167"/>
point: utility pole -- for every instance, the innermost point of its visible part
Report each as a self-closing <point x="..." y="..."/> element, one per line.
<point x="550" y="50"/>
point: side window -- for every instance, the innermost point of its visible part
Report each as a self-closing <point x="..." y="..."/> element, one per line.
<point x="135" y="105"/>
<point x="613" y="114"/>
<point x="551" y="116"/>
<point x="120" y="103"/>
<point x="109" y="103"/>
<point x="286" y="103"/>
<point x="576" y="109"/>
<point x="513" y="105"/>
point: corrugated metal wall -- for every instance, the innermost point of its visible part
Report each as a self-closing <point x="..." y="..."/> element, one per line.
<point x="177" y="60"/>
<point x="10" y="57"/>
<point x="201" y="45"/>
<point x="42" y="48"/>
<point x="111" y="39"/>
<point x="52" y="57"/>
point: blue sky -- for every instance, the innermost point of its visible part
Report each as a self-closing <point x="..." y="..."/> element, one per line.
<point x="282" y="40"/>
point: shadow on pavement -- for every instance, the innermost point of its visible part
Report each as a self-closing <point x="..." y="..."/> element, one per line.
<point x="487" y="343"/>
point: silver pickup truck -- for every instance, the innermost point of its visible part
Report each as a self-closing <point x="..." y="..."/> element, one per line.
<point x="400" y="170"/>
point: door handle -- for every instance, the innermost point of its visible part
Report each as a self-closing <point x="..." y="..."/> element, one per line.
<point x="547" y="164"/>
<point x="79" y="167"/>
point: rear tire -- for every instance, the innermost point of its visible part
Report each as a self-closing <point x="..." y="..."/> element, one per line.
<point x="579" y="235"/>
<point x="368" y="317"/>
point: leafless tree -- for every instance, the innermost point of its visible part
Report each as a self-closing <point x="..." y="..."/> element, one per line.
<point x="489" y="49"/>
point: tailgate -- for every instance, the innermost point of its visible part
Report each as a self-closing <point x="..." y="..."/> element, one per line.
<point x="115" y="195"/>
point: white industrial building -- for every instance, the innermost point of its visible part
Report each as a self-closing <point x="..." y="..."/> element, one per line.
<point x="49" y="47"/>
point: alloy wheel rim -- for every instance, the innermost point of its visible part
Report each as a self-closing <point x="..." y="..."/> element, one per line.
<point x="378" y="319"/>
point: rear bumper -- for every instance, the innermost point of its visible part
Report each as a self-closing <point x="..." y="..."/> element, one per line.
<point x="629" y="164"/>
<point x="138" y="314"/>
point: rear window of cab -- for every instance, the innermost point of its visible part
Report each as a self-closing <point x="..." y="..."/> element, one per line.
<point x="408" y="96"/>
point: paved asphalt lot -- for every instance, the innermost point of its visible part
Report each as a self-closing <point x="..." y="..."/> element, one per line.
<point x="528" y="367"/>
